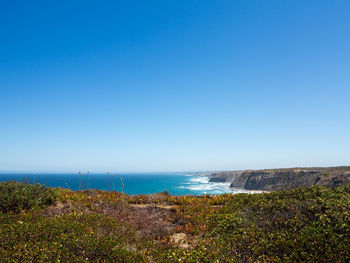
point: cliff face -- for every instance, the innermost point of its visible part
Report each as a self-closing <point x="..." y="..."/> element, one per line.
<point x="221" y="177"/>
<point x="236" y="178"/>
<point x="280" y="179"/>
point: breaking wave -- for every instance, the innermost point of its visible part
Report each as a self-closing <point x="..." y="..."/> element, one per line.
<point x="199" y="185"/>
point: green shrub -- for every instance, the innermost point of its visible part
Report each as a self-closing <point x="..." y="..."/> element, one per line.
<point x="15" y="196"/>
<point x="67" y="238"/>
<point x="311" y="225"/>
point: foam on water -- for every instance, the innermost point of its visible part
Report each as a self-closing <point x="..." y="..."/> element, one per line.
<point x="201" y="184"/>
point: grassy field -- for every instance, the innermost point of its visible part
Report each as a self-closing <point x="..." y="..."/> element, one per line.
<point x="39" y="224"/>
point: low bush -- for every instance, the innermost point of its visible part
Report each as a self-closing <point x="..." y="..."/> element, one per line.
<point x="68" y="238"/>
<point x="15" y="196"/>
<point x="308" y="225"/>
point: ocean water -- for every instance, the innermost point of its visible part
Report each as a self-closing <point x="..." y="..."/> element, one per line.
<point x="174" y="183"/>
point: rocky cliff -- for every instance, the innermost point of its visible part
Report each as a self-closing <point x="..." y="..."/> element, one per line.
<point x="280" y="179"/>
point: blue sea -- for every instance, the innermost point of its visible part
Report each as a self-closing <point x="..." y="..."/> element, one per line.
<point x="148" y="183"/>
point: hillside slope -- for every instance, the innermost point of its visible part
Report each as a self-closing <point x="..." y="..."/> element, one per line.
<point x="58" y="225"/>
<point x="281" y="179"/>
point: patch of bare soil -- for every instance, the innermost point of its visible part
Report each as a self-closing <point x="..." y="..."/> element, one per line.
<point x="59" y="209"/>
<point x="181" y="240"/>
<point x="162" y="206"/>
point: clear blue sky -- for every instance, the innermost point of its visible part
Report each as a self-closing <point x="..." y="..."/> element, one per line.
<point x="173" y="85"/>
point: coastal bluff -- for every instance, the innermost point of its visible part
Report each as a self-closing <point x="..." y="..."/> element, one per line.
<point x="282" y="179"/>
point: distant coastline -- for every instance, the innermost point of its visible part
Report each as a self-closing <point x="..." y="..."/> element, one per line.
<point x="147" y="183"/>
<point x="195" y="183"/>
<point x="285" y="178"/>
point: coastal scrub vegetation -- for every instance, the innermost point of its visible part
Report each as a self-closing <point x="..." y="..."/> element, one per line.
<point x="15" y="196"/>
<point x="58" y="225"/>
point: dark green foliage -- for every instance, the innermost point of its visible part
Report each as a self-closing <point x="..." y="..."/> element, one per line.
<point x="311" y="225"/>
<point x="16" y="196"/>
<point x="68" y="238"/>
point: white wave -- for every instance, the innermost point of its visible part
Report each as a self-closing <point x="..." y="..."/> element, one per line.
<point x="201" y="185"/>
<point x="200" y="188"/>
<point x="201" y="179"/>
